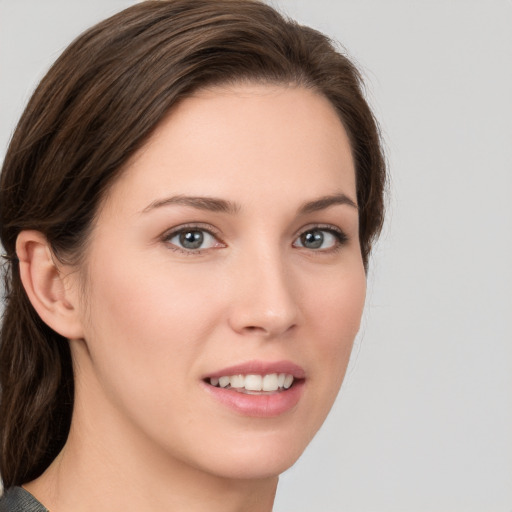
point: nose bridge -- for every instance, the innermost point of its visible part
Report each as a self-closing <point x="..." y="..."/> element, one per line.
<point x="266" y="302"/>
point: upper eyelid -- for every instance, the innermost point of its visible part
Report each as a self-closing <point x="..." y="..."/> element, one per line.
<point x="321" y="227"/>
<point x="168" y="233"/>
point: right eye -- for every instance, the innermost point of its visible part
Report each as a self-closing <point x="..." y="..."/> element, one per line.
<point x="192" y="239"/>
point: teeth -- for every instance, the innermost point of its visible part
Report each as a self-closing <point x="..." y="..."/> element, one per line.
<point x="288" y="381"/>
<point x="237" y="381"/>
<point x="224" y="382"/>
<point x="253" y="382"/>
<point x="269" y="382"/>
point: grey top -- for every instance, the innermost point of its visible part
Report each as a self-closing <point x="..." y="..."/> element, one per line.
<point x="17" y="499"/>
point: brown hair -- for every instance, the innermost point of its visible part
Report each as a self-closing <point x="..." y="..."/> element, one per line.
<point x="94" y="109"/>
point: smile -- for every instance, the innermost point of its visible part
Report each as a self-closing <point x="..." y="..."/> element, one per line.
<point x="251" y="383"/>
<point x="260" y="389"/>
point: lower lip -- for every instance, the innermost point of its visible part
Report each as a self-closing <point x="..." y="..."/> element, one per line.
<point x="258" y="406"/>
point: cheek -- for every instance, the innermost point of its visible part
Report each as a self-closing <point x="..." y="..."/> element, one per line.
<point x="149" y="325"/>
<point x="146" y="330"/>
<point x="147" y="303"/>
<point x="335" y="317"/>
<point x="336" y="309"/>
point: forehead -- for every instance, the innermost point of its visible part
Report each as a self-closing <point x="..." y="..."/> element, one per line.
<point x="245" y="142"/>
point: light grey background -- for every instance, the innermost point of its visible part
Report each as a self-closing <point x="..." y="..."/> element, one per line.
<point x="424" y="420"/>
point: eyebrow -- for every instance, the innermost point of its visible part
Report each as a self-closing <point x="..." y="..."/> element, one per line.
<point x="214" y="204"/>
<point x="325" y="202"/>
<point x="211" y="204"/>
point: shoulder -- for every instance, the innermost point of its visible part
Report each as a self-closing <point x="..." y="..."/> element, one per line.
<point x="17" y="499"/>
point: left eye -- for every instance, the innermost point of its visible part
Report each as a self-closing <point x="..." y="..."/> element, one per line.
<point x="319" y="239"/>
<point x="192" y="239"/>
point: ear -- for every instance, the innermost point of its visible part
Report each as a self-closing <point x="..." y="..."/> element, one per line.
<point x="50" y="289"/>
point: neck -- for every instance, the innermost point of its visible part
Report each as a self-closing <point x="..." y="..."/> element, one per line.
<point x="106" y="465"/>
<point x="60" y="489"/>
<point x="85" y="477"/>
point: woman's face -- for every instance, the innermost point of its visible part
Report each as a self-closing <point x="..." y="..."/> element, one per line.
<point x="226" y="254"/>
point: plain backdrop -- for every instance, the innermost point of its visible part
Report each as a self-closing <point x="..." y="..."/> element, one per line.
<point x="424" y="420"/>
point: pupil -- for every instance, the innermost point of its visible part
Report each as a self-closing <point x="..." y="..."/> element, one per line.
<point x="312" y="239"/>
<point x="191" y="239"/>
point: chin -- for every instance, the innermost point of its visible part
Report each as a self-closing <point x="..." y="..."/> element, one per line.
<point x="260" y="466"/>
<point x="256" y="457"/>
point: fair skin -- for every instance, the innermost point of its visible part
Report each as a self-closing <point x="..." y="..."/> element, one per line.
<point x="230" y="239"/>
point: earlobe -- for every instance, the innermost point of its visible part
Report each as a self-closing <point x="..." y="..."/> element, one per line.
<point x="45" y="285"/>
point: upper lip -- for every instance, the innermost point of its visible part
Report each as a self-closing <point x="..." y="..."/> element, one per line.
<point x="260" y="368"/>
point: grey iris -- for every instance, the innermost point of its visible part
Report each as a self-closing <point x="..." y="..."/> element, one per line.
<point x="312" y="239"/>
<point x="191" y="239"/>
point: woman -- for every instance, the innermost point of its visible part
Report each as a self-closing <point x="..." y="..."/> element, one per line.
<point x="187" y="205"/>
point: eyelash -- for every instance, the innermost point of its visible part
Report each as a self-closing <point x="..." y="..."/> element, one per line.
<point x="340" y="238"/>
<point x="169" y="235"/>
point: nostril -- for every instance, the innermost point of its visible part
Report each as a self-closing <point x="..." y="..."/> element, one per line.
<point x="255" y="329"/>
<point x="263" y="331"/>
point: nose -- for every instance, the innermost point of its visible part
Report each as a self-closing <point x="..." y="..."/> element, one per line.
<point x="265" y="302"/>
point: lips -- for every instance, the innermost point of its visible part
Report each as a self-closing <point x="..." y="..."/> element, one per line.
<point x="257" y="388"/>
<point x="261" y="368"/>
